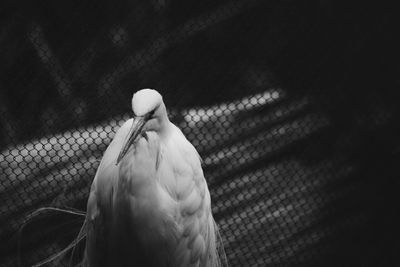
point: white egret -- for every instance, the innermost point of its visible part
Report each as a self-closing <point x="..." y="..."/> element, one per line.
<point x="149" y="203"/>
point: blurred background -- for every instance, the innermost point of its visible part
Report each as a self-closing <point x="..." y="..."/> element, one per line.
<point x="292" y="105"/>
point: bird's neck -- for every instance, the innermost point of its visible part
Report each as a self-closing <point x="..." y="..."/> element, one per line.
<point x="164" y="123"/>
<point x="165" y="129"/>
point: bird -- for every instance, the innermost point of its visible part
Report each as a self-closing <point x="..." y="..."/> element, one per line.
<point x="149" y="203"/>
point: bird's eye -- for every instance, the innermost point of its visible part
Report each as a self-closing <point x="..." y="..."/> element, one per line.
<point x="151" y="113"/>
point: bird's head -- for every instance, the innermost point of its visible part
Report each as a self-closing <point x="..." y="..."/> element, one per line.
<point x="145" y="101"/>
<point x="149" y="114"/>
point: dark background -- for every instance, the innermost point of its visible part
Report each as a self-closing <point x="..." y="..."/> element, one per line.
<point x="293" y="106"/>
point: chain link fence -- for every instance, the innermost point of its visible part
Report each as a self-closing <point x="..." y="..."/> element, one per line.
<point x="292" y="107"/>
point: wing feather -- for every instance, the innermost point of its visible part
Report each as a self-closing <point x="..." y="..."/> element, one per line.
<point x="100" y="202"/>
<point x="200" y="241"/>
<point x="96" y="235"/>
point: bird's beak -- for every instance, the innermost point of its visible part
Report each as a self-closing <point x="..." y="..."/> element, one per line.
<point x="135" y="130"/>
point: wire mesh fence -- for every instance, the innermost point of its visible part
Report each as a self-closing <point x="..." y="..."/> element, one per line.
<point x="292" y="107"/>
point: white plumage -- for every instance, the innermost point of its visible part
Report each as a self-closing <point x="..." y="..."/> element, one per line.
<point x="149" y="203"/>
